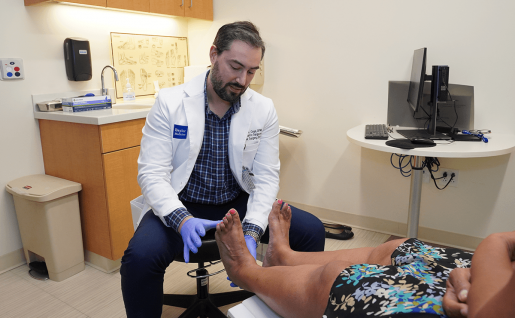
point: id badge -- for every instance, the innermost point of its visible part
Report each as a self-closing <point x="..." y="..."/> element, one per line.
<point x="247" y="176"/>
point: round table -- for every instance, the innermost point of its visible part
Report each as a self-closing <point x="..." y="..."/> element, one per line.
<point x="499" y="144"/>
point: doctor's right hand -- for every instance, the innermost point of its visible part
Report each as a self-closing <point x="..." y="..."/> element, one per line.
<point x="191" y="231"/>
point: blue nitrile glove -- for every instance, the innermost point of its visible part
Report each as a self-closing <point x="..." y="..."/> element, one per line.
<point x="252" y="246"/>
<point x="191" y="232"/>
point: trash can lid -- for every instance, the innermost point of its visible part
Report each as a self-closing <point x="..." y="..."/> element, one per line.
<point x="42" y="188"/>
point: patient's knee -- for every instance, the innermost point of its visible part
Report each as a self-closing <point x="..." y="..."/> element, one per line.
<point x="382" y="254"/>
<point x="332" y="270"/>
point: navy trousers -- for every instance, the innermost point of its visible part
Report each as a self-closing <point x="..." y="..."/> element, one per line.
<point x="154" y="246"/>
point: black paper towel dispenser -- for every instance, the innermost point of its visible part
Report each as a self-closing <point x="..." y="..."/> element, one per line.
<point x="77" y="57"/>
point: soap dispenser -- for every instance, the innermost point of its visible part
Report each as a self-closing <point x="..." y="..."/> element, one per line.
<point x="128" y="92"/>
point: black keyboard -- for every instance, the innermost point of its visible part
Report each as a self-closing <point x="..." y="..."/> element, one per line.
<point x="377" y="131"/>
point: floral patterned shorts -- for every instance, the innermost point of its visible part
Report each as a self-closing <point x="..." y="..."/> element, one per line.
<point x="413" y="286"/>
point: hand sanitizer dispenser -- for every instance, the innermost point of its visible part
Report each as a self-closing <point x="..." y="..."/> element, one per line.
<point x="128" y="92"/>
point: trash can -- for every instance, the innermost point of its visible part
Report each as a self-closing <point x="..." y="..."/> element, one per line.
<point x="48" y="216"/>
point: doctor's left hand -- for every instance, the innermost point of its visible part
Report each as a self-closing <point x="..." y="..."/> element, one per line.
<point x="191" y="231"/>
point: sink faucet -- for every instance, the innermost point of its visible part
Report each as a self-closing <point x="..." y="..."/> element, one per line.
<point x="104" y="90"/>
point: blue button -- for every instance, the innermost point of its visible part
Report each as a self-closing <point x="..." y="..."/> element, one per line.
<point x="12" y="63"/>
<point x="9" y="74"/>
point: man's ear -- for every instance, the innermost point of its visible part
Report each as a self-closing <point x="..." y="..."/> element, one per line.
<point x="213" y="53"/>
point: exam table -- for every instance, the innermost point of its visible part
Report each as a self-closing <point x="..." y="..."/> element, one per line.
<point x="252" y="307"/>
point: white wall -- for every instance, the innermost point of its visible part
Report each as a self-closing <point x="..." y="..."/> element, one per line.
<point x="327" y="68"/>
<point x="36" y="35"/>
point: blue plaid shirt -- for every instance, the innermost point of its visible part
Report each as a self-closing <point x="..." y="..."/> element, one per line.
<point x="211" y="181"/>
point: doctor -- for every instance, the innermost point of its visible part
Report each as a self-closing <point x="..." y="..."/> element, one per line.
<point x="208" y="146"/>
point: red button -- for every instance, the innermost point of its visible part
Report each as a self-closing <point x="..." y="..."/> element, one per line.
<point x="16" y="68"/>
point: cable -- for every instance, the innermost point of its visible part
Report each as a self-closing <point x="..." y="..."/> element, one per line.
<point x="429" y="162"/>
<point x="401" y="167"/>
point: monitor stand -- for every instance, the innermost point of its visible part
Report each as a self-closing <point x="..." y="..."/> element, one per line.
<point x="422" y="133"/>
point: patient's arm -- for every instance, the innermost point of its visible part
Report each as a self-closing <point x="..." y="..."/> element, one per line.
<point x="492" y="291"/>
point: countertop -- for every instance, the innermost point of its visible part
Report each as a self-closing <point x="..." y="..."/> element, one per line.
<point x="121" y="111"/>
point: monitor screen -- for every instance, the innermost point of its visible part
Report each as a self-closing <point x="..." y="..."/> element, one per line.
<point x="418" y="75"/>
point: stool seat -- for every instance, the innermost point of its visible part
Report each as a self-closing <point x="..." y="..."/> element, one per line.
<point x="207" y="252"/>
<point x="204" y="304"/>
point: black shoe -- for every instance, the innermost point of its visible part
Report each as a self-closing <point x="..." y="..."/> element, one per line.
<point x="345" y="235"/>
<point x="337" y="226"/>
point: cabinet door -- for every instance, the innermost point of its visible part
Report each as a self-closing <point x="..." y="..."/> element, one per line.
<point x="121" y="172"/>
<point x="99" y="3"/>
<point x="200" y="9"/>
<point x="134" y="5"/>
<point x="169" y="7"/>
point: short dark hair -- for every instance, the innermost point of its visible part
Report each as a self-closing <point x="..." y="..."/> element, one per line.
<point x="244" y="31"/>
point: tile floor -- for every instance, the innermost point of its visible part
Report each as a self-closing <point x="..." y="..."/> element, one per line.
<point x="93" y="293"/>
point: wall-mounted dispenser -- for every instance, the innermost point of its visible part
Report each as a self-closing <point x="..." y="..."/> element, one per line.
<point x="77" y="57"/>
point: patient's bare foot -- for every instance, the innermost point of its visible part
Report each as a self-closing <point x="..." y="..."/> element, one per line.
<point x="235" y="255"/>
<point x="279" y="227"/>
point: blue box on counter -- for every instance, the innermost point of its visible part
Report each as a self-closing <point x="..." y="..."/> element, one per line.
<point x="85" y="108"/>
<point x="86" y="100"/>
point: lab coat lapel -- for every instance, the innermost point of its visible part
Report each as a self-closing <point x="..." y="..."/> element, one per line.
<point x="194" y="107"/>
<point x="240" y="124"/>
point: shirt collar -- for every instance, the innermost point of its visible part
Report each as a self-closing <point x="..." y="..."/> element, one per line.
<point x="235" y="107"/>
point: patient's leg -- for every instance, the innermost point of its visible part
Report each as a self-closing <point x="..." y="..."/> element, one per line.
<point x="292" y="291"/>
<point x="280" y="253"/>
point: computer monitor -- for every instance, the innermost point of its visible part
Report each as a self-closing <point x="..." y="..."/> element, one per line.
<point x="418" y="76"/>
<point x="439" y="84"/>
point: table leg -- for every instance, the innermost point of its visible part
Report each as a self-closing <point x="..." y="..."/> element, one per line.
<point x="415" y="196"/>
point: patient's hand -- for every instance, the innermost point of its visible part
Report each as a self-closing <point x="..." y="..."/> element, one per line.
<point x="455" y="298"/>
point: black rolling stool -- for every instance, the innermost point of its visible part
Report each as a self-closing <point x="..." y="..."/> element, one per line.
<point x="204" y="304"/>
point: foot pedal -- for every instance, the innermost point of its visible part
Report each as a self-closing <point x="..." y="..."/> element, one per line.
<point x="39" y="267"/>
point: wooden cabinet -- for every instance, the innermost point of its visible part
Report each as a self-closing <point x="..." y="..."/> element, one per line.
<point x="134" y="5"/>
<point x="168" y="7"/>
<point x="104" y="160"/>
<point x="199" y="9"/>
<point x="99" y="3"/>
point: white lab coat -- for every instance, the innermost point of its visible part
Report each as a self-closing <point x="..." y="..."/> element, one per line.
<point x="165" y="161"/>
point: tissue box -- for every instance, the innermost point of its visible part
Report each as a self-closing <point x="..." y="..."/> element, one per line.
<point x="87" y="101"/>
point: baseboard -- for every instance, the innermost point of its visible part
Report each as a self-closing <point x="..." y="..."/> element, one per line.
<point x="17" y="258"/>
<point x="101" y="263"/>
<point x="429" y="235"/>
<point x="12" y="260"/>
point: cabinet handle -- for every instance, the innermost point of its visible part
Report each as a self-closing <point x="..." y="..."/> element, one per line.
<point x="182" y="4"/>
<point x="191" y="3"/>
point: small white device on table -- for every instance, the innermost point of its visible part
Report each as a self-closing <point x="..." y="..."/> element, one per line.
<point x="499" y="144"/>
